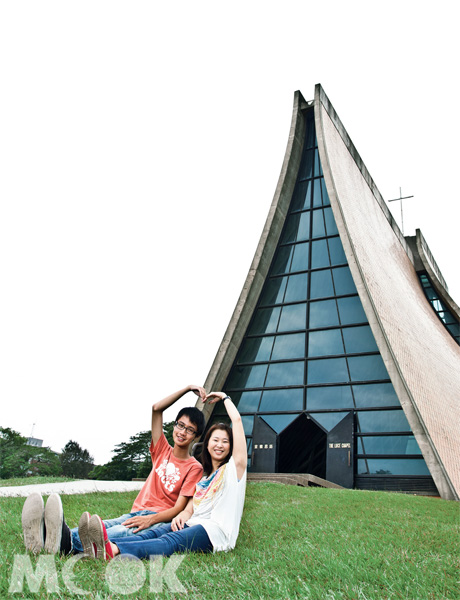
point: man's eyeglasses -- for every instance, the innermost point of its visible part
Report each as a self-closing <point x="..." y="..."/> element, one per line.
<point x="181" y="427"/>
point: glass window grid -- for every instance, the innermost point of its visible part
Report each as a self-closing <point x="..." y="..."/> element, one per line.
<point x="327" y="232"/>
<point x="364" y="455"/>
<point x="354" y="409"/>
<point x="310" y="329"/>
<point x="332" y="296"/>
<point x="402" y="467"/>
<point x="445" y="316"/>
<point x="315" y="169"/>
<point x="297" y="412"/>
<point x="310" y="359"/>
<point x="288" y="268"/>
<point x="316" y="177"/>
<point x="314" y="182"/>
<point x="273" y="335"/>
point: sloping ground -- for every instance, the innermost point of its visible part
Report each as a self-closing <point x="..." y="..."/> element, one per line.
<point x="295" y="542"/>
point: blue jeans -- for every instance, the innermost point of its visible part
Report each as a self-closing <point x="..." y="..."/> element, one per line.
<point x="115" y="529"/>
<point x="164" y="542"/>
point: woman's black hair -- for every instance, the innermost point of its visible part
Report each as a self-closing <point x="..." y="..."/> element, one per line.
<point x="205" y="457"/>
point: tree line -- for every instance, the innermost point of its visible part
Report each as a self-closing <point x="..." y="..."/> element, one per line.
<point x="19" y="459"/>
<point x="131" y="459"/>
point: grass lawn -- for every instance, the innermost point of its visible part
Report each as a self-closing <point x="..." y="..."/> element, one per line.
<point x="294" y="542"/>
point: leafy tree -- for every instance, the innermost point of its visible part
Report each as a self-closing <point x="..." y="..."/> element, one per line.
<point x="18" y="459"/>
<point x="45" y="462"/>
<point x="10" y="443"/>
<point x="75" y="461"/>
<point x="168" y="431"/>
<point x="132" y="458"/>
<point x="14" y="453"/>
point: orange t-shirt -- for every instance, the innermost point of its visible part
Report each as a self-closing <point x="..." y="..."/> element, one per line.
<point x="169" y="478"/>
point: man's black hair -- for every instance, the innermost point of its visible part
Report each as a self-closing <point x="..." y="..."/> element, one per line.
<point x="196" y="418"/>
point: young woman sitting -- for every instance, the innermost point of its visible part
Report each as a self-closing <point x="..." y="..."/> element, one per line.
<point x="210" y="522"/>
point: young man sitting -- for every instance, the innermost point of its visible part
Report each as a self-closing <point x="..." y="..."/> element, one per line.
<point x="164" y="495"/>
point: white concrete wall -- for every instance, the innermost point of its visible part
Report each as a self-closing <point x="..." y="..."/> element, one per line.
<point x="423" y="360"/>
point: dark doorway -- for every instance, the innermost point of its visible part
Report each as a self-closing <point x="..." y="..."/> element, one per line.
<point x="265" y="444"/>
<point x="302" y="448"/>
<point x="340" y="452"/>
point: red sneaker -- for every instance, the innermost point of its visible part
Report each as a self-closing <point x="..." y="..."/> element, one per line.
<point x="97" y="535"/>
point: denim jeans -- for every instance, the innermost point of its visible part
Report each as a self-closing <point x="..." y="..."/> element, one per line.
<point x="164" y="542"/>
<point x="115" y="529"/>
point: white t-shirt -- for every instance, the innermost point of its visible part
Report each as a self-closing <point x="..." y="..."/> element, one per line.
<point x="218" y="506"/>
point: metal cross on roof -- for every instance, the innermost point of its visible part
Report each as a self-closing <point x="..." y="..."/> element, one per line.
<point x="401" y="198"/>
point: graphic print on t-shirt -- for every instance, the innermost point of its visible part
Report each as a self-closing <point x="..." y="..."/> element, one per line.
<point x="169" y="474"/>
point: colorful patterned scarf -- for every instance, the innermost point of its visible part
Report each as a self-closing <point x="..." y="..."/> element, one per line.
<point x="208" y="488"/>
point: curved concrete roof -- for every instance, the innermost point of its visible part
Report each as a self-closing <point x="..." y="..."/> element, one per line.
<point x="263" y="255"/>
<point x="423" y="360"/>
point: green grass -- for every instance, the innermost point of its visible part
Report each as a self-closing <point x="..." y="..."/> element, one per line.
<point x="32" y="480"/>
<point x="307" y="543"/>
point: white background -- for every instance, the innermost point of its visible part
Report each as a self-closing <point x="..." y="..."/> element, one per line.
<point x="140" y="148"/>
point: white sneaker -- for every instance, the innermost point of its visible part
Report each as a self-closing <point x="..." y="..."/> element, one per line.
<point x="33" y="523"/>
<point x="54" y="515"/>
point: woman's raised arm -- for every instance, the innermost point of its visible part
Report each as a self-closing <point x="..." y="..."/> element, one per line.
<point x="240" y="455"/>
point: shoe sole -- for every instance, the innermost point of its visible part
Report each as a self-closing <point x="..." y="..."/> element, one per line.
<point x="33" y="523"/>
<point x="54" y="516"/>
<point x="96" y="536"/>
<point x="83" y="533"/>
